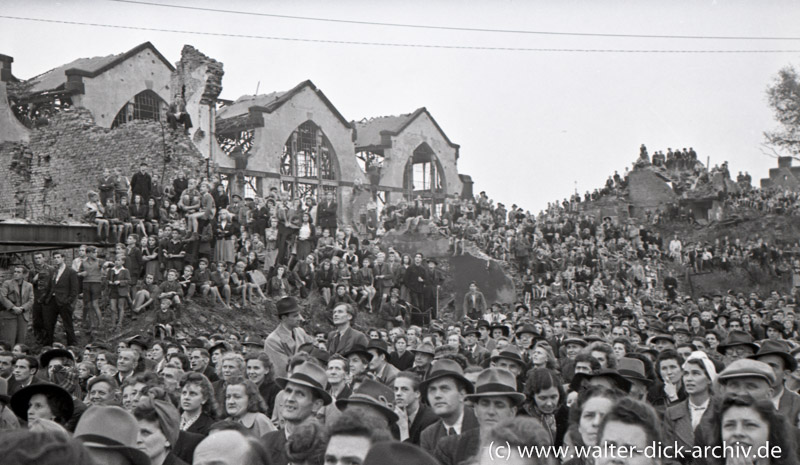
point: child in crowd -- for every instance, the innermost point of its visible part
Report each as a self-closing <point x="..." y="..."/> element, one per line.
<point x="174" y="251"/>
<point x="118" y="291"/>
<point x="220" y="285"/>
<point x="145" y="294"/>
<point x="187" y="282"/>
<point x="171" y="289"/>
<point x="165" y="320"/>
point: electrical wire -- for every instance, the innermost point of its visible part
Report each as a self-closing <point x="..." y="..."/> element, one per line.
<point x="450" y="28"/>
<point x="388" y="44"/>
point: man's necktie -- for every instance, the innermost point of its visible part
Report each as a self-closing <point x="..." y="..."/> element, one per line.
<point x="450" y="431"/>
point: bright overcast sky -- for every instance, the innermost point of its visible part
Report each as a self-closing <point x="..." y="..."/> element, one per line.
<point x="530" y="123"/>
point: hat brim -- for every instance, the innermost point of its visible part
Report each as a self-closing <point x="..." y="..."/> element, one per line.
<point x="516" y="397"/>
<point x="722" y="348"/>
<point x="789" y="361"/>
<point x="326" y="398"/>
<point x="618" y="379"/>
<point x="21" y="399"/>
<point x="135" y="456"/>
<point x="341" y="404"/>
<point x="423" y="386"/>
<point x="505" y="357"/>
<point x="44" y="360"/>
<point x="569" y="341"/>
<point x="417" y="351"/>
<point x="363" y="352"/>
<point x="637" y="377"/>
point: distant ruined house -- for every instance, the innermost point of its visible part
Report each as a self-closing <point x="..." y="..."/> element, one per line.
<point x="110" y="112"/>
<point x="784" y="176"/>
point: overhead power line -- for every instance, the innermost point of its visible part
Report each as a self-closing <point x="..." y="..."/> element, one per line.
<point x="388" y="44"/>
<point x="450" y="28"/>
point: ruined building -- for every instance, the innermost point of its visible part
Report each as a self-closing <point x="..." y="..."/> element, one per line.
<point x="784" y="176"/>
<point x="60" y="129"/>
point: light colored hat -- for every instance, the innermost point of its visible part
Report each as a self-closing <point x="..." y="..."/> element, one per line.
<point x="746" y="368"/>
<point x="497" y="382"/>
<point x="711" y="370"/>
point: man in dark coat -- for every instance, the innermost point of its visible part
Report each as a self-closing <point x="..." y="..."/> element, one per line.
<point x="344" y="337"/>
<point x="304" y="394"/>
<point x="62" y="291"/>
<point x="142" y="184"/>
<point x="326" y="214"/>
<point x="495" y="399"/>
<point x="446" y="389"/>
<point x="414" y="416"/>
<point x="415" y="280"/>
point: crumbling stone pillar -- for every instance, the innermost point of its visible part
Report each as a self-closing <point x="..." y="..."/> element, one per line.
<point x="197" y="80"/>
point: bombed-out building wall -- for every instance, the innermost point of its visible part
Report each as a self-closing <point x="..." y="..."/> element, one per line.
<point x="66" y="125"/>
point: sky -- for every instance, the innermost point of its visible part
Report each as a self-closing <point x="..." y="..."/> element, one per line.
<point x="532" y="125"/>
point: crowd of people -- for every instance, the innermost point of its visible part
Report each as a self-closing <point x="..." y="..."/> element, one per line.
<point x="601" y="347"/>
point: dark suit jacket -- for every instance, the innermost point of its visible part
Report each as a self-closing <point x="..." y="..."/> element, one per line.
<point x="678" y="425"/>
<point x="434" y="433"/>
<point x="404" y="362"/>
<point x="201" y="426"/>
<point x="453" y="450"/>
<point x="65" y="290"/>
<point x="478" y="355"/>
<point x="326" y="214"/>
<point x="186" y="444"/>
<point x="14" y="386"/>
<point x="425" y="417"/>
<point x="789" y="406"/>
<point x="211" y="373"/>
<point x="275" y="443"/>
<point x="350" y="338"/>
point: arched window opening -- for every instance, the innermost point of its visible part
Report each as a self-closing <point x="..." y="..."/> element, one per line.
<point x="308" y="154"/>
<point x="146" y="105"/>
<point x="308" y="165"/>
<point x="423" y="173"/>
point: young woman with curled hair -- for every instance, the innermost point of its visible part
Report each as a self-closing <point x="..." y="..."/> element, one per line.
<point x="585" y="417"/>
<point x="742" y="420"/>
<point x="244" y="405"/>
<point x="199" y="408"/>
<point x="546" y="401"/>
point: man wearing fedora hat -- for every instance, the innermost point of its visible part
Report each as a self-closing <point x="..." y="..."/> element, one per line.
<point x="344" y="337"/>
<point x="423" y="356"/>
<point x="111" y="434"/>
<point x="738" y="345"/>
<point x="495" y="399"/>
<point x="379" y="364"/>
<point x="776" y="355"/>
<point x="446" y="389"/>
<point x="475" y="352"/>
<point x="634" y="371"/>
<point x="510" y="359"/>
<point x="371" y="398"/>
<point x="288" y="336"/>
<point x="303" y="395"/>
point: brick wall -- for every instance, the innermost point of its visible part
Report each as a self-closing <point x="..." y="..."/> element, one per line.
<point x="50" y="176"/>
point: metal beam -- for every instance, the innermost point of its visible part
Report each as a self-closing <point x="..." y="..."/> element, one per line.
<point x="29" y="236"/>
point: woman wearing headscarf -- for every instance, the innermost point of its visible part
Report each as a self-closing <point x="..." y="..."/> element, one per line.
<point x="159" y="426"/>
<point x="681" y="419"/>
